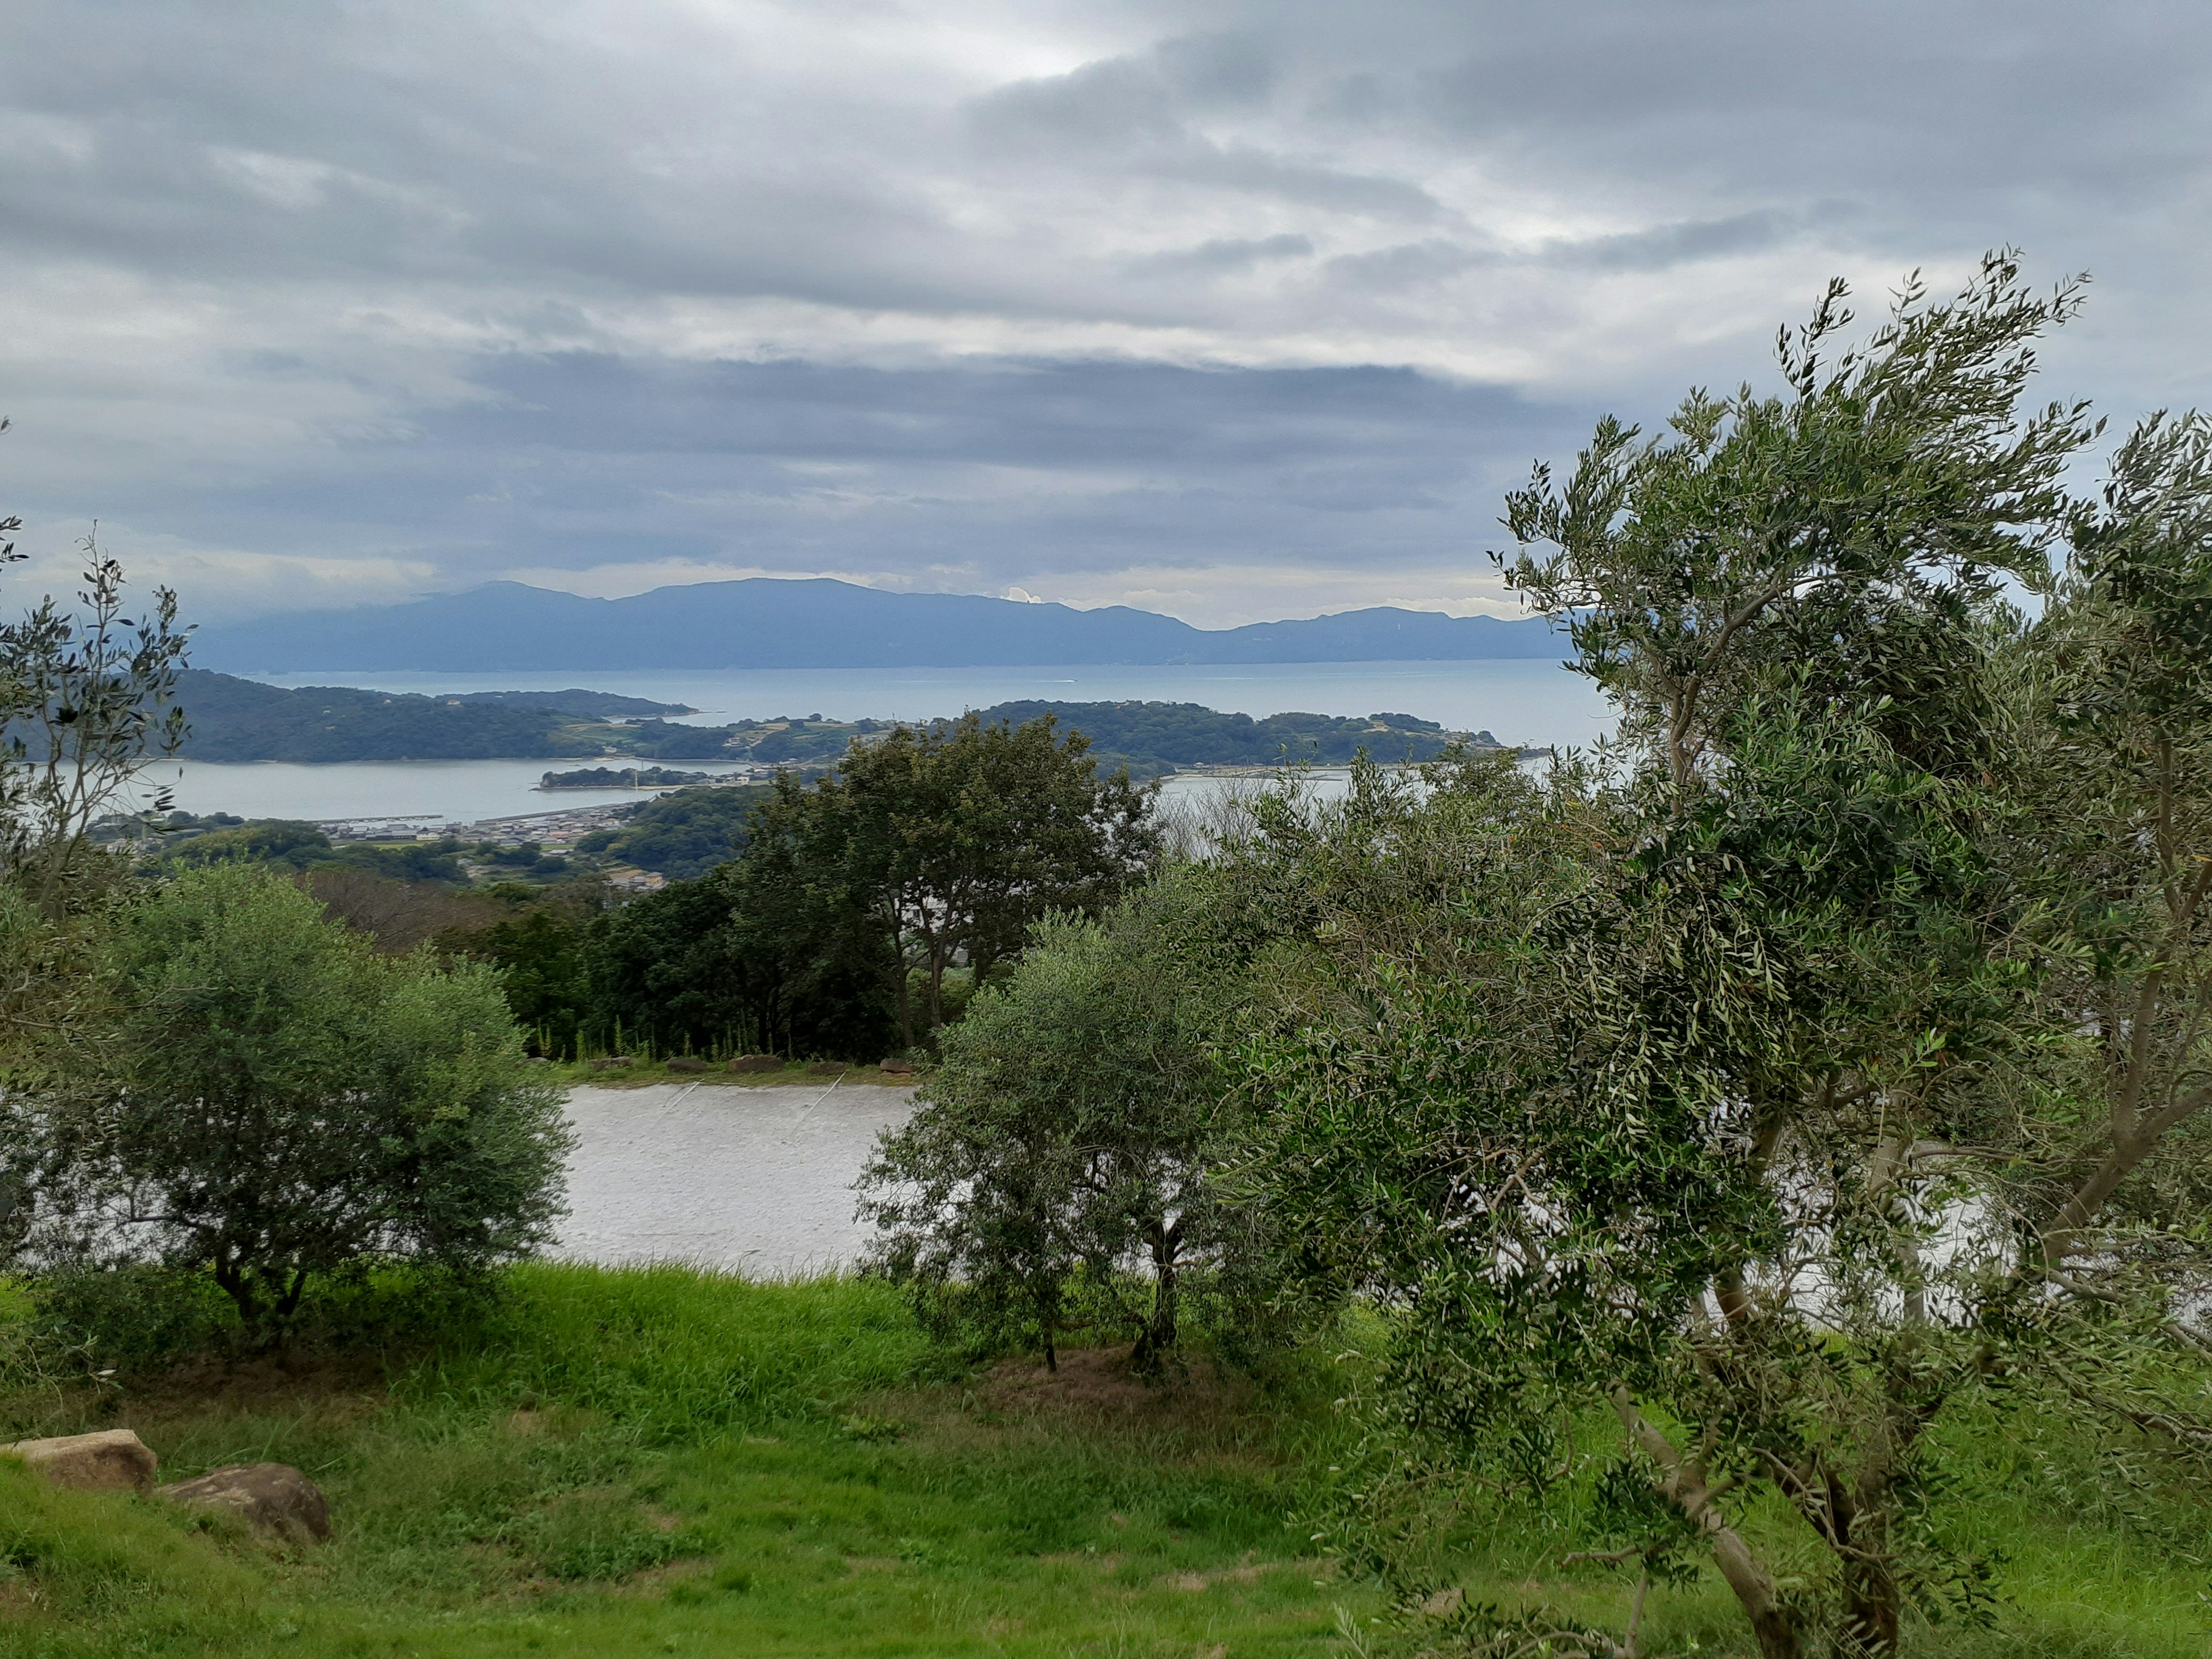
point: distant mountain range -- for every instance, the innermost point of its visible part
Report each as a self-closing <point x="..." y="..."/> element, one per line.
<point x="770" y="623"/>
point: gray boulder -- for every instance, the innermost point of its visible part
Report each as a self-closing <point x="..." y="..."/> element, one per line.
<point x="114" y="1460"/>
<point x="274" y="1499"/>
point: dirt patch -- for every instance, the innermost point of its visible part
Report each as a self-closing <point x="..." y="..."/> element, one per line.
<point x="1200" y="1414"/>
<point x="326" y="1393"/>
<point x="336" y="1389"/>
<point x="1098" y="1383"/>
<point x="1249" y="1573"/>
<point x="649" y="1581"/>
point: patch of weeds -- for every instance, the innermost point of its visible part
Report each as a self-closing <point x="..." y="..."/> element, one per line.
<point x="593" y="1537"/>
<point x="866" y="1426"/>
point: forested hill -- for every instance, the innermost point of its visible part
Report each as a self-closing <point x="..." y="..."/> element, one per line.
<point x="1153" y="738"/>
<point x="236" y="720"/>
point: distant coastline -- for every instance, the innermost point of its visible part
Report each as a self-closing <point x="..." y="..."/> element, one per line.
<point x="232" y="719"/>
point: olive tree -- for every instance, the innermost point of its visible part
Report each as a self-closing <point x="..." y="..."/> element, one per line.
<point x="275" y="1103"/>
<point x="1849" y="1075"/>
<point x="1072" y="1124"/>
<point x="2112" y="762"/>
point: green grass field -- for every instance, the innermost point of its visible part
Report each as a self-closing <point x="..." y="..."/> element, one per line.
<point x="665" y="1462"/>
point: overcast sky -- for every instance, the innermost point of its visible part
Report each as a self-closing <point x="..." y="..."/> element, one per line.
<point x="1232" y="311"/>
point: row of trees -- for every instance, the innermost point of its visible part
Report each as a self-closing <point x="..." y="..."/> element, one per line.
<point x="1828" y="1058"/>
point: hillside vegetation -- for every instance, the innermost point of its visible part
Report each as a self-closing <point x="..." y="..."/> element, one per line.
<point x="236" y="720"/>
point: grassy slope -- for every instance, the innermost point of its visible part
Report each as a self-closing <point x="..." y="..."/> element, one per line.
<point x="657" y="1461"/>
<point x="664" y="1463"/>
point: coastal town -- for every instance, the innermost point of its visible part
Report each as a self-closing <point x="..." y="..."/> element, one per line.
<point x="553" y="832"/>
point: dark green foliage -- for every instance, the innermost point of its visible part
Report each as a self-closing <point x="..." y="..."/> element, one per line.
<point x="658" y="739"/>
<point x="264" y="841"/>
<point x="682" y="835"/>
<point x="627" y="777"/>
<point x="664" y="975"/>
<point x="1149" y="738"/>
<point x="959" y="839"/>
<point x="1145" y="739"/>
<point x="731" y="963"/>
<point x="411" y="861"/>
<point x="544" y="972"/>
<point x="286" y="844"/>
<point x="236" y="720"/>
<point x="801" y="741"/>
<point x="135" y="1319"/>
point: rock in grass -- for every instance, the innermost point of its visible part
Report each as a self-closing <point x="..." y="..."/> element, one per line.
<point x="114" y="1460"/>
<point x="687" y="1063"/>
<point x="757" y="1063"/>
<point x="899" y="1067"/>
<point x="610" y="1063"/>
<point x="273" y="1498"/>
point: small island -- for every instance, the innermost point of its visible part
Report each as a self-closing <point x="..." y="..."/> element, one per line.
<point x="626" y="777"/>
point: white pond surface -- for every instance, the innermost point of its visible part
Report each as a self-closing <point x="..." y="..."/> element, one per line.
<point x="757" y="1180"/>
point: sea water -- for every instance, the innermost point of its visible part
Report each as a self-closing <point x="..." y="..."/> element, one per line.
<point x="1518" y="700"/>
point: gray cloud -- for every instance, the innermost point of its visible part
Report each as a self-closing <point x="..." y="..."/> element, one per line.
<point x="1665" y="245"/>
<point x="957" y="476"/>
<point x="1112" y="298"/>
<point x="1223" y="255"/>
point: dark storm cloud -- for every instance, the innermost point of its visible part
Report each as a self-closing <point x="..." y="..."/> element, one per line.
<point x="409" y="294"/>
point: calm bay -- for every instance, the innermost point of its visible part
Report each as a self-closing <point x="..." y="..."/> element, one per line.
<point x="1518" y="701"/>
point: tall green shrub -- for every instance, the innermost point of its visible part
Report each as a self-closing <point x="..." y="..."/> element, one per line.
<point x="1072" y="1125"/>
<point x="277" y="1104"/>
